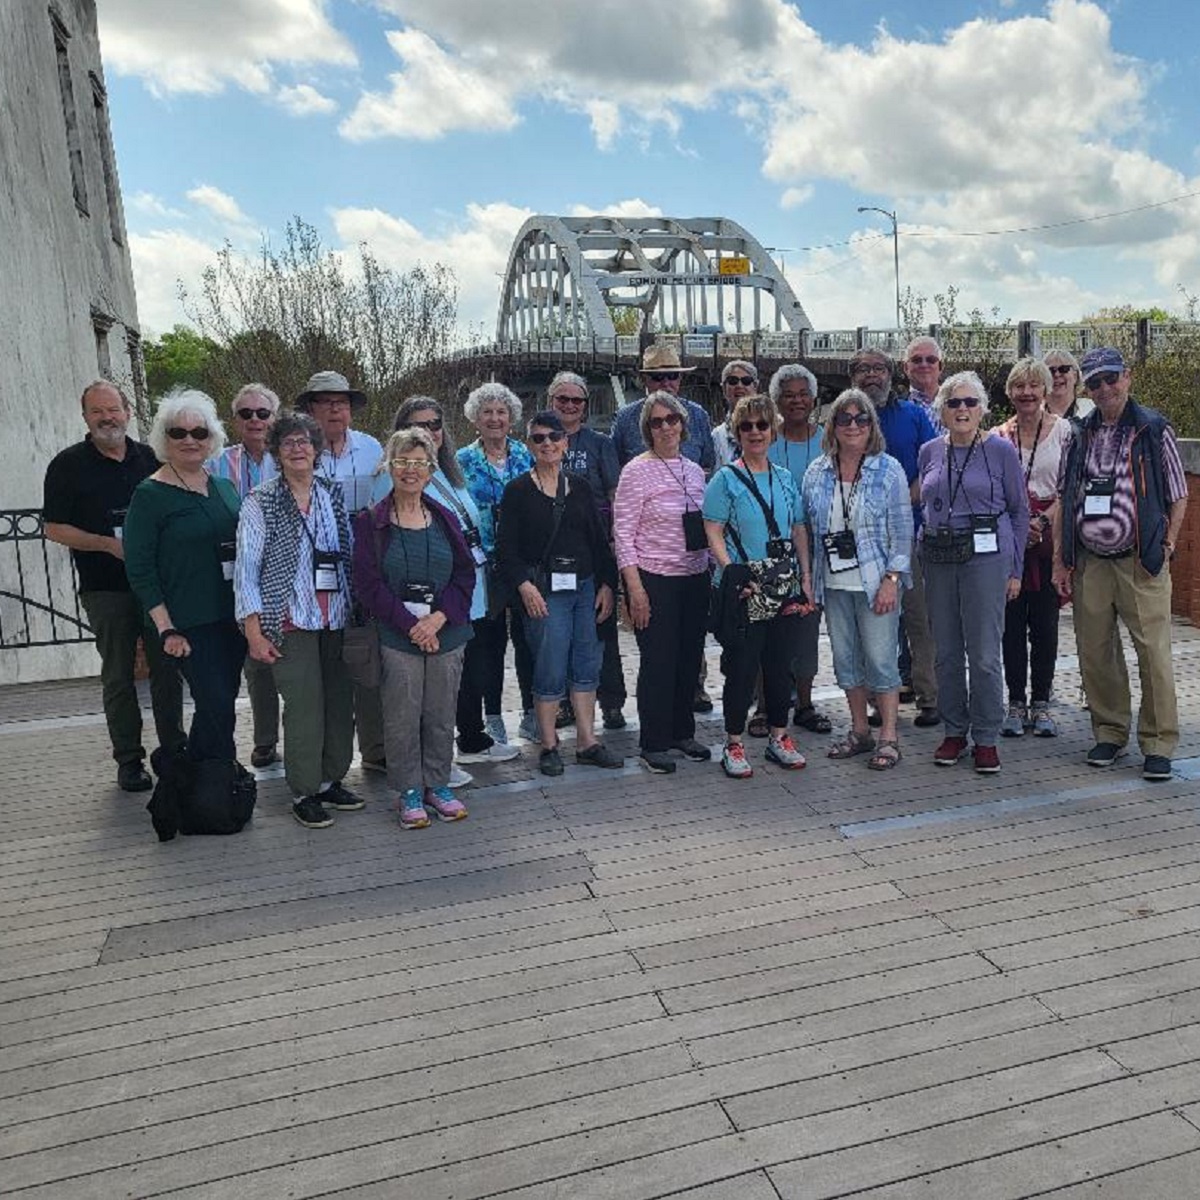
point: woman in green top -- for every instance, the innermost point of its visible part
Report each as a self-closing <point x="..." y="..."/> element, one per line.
<point x="179" y="552"/>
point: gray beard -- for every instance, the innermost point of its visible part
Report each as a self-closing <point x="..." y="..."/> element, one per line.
<point x="109" y="437"/>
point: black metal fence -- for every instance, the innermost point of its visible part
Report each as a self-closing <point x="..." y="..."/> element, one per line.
<point x="39" y="602"/>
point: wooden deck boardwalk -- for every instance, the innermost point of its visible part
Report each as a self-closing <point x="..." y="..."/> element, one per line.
<point x="812" y="984"/>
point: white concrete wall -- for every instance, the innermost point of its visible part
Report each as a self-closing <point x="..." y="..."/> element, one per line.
<point x="58" y="264"/>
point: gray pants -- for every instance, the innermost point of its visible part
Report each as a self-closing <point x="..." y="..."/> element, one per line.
<point x="368" y="722"/>
<point x="318" y="720"/>
<point x="966" y="612"/>
<point x="420" y="693"/>
<point x="915" y="609"/>
<point x="264" y="701"/>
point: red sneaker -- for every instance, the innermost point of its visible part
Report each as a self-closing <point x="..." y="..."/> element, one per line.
<point x="987" y="761"/>
<point x="950" y="751"/>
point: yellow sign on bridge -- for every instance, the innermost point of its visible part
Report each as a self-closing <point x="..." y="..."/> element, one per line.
<point x="734" y="265"/>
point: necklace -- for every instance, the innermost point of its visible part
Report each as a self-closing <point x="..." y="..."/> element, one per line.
<point x="187" y="487"/>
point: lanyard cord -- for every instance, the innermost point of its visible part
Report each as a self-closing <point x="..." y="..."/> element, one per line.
<point x="847" y="508"/>
<point x="956" y="486"/>
<point x="404" y="543"/>
<point x="1033" y="449"/>
<point x="680" y="479"/>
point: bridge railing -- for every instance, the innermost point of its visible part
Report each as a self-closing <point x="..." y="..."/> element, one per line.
<point x="39" y="603"/>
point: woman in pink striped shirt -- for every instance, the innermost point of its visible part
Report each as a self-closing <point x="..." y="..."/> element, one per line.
<point x="662" y="554"/>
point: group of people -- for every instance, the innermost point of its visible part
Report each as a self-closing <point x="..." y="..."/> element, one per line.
<point x="938" y="550"/>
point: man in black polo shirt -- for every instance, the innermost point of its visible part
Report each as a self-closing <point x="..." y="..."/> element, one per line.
<point x="86" y="493"/>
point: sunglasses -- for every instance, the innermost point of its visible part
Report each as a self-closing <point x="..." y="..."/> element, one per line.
<point x="844" y="420"/>
<point x="762" y="425"/>
<point x="199" y="434"/>
<point x="295" y="443"/>
<point x="263" y="414"/>
<point x="930" y="360"/>
<point x="1061" y="370"/>
<point x="554" y="435"/>
<point x="960" y="401"/>
<point x="741" y="380"/>
<point x="570" y="400"/>
<point x="664" y="376"/>
<point x="670" y="420"/>
<point x="433" y="425"/>
<point x="1108" y="379"/>
<point x="411" y="464"/>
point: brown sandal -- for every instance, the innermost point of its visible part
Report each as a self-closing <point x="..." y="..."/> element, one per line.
<point x="887" y="755"/>
<point x="851" y="745"/>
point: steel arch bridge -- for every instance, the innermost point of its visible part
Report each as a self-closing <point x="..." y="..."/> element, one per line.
<point x="566" y="274"/>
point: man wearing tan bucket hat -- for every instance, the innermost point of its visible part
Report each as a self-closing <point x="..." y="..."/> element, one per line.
<point x="661" y="371"/>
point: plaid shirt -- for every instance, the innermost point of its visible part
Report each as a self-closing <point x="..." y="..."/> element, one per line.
<point x="883" y="527"/>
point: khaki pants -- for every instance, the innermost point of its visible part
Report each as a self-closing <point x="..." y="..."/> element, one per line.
<point x="318" y="713"/>
<point x="264" y="701"/>
<point x="920" y="638"/>
<point x="1105" y="589"/>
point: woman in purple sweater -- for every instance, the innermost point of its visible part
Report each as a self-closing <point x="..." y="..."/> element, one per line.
<point x="974" y="501"/>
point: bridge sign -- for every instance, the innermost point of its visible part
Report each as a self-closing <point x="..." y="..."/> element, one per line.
<point x="736" y="264"/>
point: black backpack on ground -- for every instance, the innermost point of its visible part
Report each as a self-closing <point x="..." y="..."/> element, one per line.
<point x="213" y="796"/>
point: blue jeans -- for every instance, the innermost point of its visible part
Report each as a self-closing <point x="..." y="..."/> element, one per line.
<point x="863" y="641"/>
<point x="566" y="645"/>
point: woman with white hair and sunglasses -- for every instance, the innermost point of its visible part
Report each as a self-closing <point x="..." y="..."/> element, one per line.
<point x="180" y="535"/>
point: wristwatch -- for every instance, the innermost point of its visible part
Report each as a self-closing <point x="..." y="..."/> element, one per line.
<point x="894" y="576"/>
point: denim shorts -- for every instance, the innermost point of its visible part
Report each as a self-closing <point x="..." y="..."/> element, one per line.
<point x="566" y="645"/>
<point x="864" y="644"/>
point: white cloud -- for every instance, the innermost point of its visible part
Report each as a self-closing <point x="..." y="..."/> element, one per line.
<point x="435" y="94"/>
<point x="304" y="100"/>
<point x="622" y="208"/>
<point x="151" y="205"/>
<point x="207" y="47"/>
<point x="161" y="261"/>
<point x="220" y="204"/>
<point x="794" y="197"/>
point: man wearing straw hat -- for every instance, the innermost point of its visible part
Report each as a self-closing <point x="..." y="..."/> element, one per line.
<point x="661" y="372"/>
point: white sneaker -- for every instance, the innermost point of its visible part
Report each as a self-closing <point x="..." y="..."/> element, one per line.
<point x="459" y="777"/>
<point x="502" y="752"/>
<point x="495" y="728"/>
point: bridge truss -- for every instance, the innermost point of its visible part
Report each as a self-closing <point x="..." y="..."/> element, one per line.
<point x="566" y="274"/>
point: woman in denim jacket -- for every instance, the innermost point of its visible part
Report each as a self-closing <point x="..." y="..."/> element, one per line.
<point x="861" y="520"/>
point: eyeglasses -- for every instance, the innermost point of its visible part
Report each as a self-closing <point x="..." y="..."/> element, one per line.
<point x="332" y="401"/>
<point x="930" y="360"/>
<point x="433" y="425"/>
<point x="295" y="443"/>
<point x="762" y="425"/>
<point x="664" y="376"/>
<point x="1107" y="378"/>
<point x="844" y="420"/>
<point x="671" y="420"/>
<point x="199" y="434"/>
<point x="411" y="464"/>
<point x="560" y="399"/>
<point x="741" y="380"/>
<point x="959" y="401"/>
<point x="263" y="414"/>
<point x="1063" y="370"/>
<point x="554" y="435"/>
<point x="869" y="369"/>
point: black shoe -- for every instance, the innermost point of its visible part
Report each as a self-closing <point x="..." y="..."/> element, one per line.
<point x="550" y="762"/>
<point x="566" y="715"/>
<point x="133" y="777"/>
<point x="693" y="750"/>
<point x="702" y="704"/>
<point x="614" y="718"/>
<point x="263" y="756"/>
<point x="1156" y="768"/>
<point x="341" y="798"/>
<point x="310" y="812"/>
<point x="1104" y="754"/>
<point x="926" y="718"/>
<point x="657" y="762"/>
<point x="599" y="755"/>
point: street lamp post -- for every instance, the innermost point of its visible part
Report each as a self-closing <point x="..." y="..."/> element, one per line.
<point x="891" y="216"/>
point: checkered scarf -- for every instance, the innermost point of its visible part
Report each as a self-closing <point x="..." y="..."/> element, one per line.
<point x="281" y="553"/>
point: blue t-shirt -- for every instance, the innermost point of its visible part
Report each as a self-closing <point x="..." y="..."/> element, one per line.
<point x="796" y="456"/>
<point x="906" y="428"/>
<point x="728" y="500"/>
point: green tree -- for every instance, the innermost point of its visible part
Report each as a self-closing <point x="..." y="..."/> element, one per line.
<point x="178" y="359"/>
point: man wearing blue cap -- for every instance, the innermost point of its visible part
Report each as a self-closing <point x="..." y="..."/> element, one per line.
<point x="1123" y="496"/>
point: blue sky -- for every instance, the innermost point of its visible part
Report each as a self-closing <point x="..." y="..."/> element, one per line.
<point x="432" y="128"/>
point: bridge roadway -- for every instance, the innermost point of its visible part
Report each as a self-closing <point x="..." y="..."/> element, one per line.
<point x="810" y="984"/>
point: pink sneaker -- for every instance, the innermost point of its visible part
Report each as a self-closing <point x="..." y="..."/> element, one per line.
<point x="446" y="806"/>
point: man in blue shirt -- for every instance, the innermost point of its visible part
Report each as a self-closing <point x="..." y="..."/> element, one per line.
<point x="906" y="428"/>
<point x="662" y="372"/>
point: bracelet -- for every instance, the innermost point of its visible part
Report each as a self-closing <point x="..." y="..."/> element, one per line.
<point x="166" y="633"/>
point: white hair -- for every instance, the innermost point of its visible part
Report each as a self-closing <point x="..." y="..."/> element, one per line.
<point x="489" y="393"/>
<point x="792" y="371"/>
<point x="964" y="379"/>
<point x="256" y="389"/>
<point x="175" y="404"/>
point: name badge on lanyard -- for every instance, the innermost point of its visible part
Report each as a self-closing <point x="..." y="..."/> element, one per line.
<point x="227" y="553"/>
<point x="841" y="550"/>
<point x="118" y="522"/>
<point x="563" y="575"/>
<point x="1098" y="496"/>
<point x="325" y="570"/>
<point x="474" y="540"/>
<point x="418" y="599"/>
<point x="985" y="534"/>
